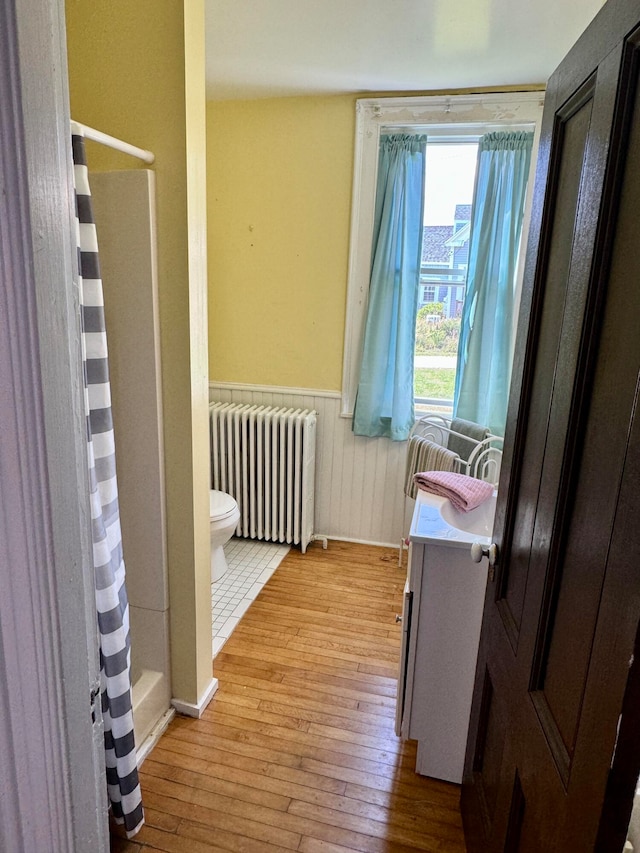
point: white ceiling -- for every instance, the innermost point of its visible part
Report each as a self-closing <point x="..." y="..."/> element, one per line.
<point x="275" y="48"/>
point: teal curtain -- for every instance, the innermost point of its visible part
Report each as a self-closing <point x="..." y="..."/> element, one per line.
<point x="485" y="350"/>
<point x="384" y="402"/>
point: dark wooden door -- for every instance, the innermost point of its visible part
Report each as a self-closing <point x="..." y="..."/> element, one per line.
<point x="561" y="615"/>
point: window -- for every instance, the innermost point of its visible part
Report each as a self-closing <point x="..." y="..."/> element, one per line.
<point x="445" y="120"/>
<point x="428" y="294"/>
<point x="449" y="178"/>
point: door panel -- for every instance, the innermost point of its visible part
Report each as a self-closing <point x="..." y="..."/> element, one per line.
<point x="513" y="842"/>
<point x="550" y="679"/>
<point x="570" y="138"/>
<point x="489" y="750"/>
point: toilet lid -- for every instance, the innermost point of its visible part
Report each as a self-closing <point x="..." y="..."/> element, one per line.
<point x="220" y="504"/>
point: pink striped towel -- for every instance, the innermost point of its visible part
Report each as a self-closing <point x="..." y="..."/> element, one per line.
<point x="465" y="493"/>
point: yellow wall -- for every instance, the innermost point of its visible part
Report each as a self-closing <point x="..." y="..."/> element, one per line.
<point x="130" y="76"/>
<point x="279" y="175"/>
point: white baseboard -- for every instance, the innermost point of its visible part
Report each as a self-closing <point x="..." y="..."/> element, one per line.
<point x="331" y="537"/>
<point x="188" y="709"/>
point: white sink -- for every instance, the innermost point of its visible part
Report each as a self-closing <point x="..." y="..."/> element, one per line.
<point x="478" y="521"/>
<point x="436" y="521"/>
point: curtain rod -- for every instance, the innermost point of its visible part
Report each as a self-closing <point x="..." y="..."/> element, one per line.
<point x="118" y="144"/>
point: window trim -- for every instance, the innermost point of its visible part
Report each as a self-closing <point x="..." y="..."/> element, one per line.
<point x="441" y="116"/>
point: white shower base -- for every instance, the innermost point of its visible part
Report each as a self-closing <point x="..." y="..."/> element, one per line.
<point x="150" y="713"/>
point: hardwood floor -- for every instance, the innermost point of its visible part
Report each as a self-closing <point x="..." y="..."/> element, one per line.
<point x="297" y="750"/>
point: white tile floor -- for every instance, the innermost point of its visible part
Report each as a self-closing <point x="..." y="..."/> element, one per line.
<point x="251" y="564"/>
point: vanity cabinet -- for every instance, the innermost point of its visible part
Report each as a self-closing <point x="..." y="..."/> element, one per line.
<point x="441" y="620"/>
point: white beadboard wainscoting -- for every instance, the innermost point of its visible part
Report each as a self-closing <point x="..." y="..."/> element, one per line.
<point x="359" y="481"/>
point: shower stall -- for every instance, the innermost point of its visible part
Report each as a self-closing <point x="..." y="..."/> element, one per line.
<point x="124" y="211"/>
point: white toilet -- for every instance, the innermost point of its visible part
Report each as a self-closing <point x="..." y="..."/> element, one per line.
<point x="224" y="516"/>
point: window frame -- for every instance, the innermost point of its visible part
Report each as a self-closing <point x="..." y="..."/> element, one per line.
<point x="436" y="115"/>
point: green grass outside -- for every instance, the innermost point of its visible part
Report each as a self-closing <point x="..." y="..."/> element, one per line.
<point x="434" y="382"/>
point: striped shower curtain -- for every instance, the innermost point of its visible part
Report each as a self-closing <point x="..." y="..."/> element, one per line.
<point x="111" y="596"/>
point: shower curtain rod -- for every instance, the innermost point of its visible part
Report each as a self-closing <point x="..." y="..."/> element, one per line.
<point x="118" y="144"/>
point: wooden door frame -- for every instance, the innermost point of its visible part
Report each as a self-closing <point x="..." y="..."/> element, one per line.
<point x="53" y="785"/>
